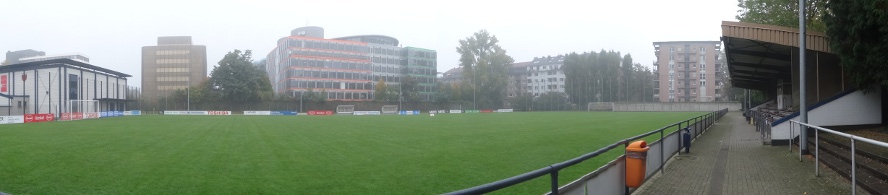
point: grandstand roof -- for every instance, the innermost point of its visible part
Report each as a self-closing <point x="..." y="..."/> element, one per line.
<point x="758" y="55"/>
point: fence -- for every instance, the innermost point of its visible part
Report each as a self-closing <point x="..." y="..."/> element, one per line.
<point x="609" y="178"/>
<point x="853" y="138"/>
<point x="154" y="107"/>
<point x="762" y="122"/>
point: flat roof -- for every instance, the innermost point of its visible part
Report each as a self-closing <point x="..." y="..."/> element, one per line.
<point x="26" y="65"/>
<point x="758" y="55"/>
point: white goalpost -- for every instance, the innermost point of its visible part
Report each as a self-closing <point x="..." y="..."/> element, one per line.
<point x="345" y="109"/>
<point x="389" y="109"/>
<point x="81" y="109"/>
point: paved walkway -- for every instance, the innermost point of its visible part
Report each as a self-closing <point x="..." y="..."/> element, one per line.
<point x="729" y="158"/>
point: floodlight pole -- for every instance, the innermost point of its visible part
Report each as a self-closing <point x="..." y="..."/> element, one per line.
<point x="803" y="92"/>
<point x="188" y="90"/>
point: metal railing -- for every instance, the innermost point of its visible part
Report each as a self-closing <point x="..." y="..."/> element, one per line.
<point x="853" y="138"/>
<point x="699" y="123"/>
<point x="762" y="122"/>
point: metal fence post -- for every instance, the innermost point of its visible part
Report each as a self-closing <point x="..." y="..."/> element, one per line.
<point x="662" y="154"/>
<point x="853" y="168"/>
<point x="679" y="137"/>
<point x="554" y="175"/>
<point x="790" y="135"/>
<point x="817" y="152"/>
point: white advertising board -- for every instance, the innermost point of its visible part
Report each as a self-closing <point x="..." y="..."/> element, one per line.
<point x="455" y="111"/>
<point x="367" y="113"/>
<point x="504" y="110"/>
<point x="14" y="119"/>
<point x="257" y="112"/>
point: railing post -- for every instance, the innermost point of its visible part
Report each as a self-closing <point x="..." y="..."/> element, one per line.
<point x="662" y="154"/>
<point x="801" y="128"/>
<point x="853" y="168"/>
<point x="554" y="175"/>
<point x="817" y="152"/>
<point x="790" y="135"/>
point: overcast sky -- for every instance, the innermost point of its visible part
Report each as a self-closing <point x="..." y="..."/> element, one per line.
<point x="112" y="33"/>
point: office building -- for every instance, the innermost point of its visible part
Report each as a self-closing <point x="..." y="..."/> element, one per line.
<point x="174" y="64"/>
<point x="347" y="68"/>
<point x="688" y="71"/>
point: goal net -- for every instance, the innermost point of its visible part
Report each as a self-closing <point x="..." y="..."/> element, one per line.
<point x="600" y="106"/>
<point x="345" y="109"/>
<point x="81" y="109"/>
<point x="389" y="109"/>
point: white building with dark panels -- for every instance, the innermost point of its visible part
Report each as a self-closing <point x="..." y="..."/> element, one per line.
<point x="44" y="87"/>
<point x="545" y="74"/>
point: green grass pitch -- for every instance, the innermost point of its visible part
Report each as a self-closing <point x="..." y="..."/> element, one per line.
<point x="308" y="154"/>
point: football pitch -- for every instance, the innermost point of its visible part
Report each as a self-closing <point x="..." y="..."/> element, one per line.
<point x="238" y="154"/>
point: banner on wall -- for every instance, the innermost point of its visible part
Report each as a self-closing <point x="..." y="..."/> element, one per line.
<point x="36" y="118"/>
<point x="212" y="112"/>
<point x="486" y="111"/>
<point x="320" y="112"/>
<point x="257" y="112"/>
<point x="285" y="113"/>
<point x="12" y="119"/>
<point x="455" y="111"/>
<point x="367" y="113"/>
<point x="504" y="110"/>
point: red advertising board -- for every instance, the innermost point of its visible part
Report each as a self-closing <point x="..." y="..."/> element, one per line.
<point x="66" y="116"/>
<point x="320" y="112"/>
<point x="3" y="83"/>
<point x="486" y="111"/>
<point x="34" y="118"/>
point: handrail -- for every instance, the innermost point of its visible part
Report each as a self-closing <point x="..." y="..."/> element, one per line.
<point x="554" y="168"/>
<point x="853" y="138"/>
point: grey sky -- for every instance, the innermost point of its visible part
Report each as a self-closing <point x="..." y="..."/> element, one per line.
<point x="112" y="33"/>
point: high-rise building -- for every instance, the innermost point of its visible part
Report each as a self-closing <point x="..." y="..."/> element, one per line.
<point x="686" y="71"/>
<point x="347" y="68"/>
<point x="174" y="64"/>
<point x="12" y="57"/>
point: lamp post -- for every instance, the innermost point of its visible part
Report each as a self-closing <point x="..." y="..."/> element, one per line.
<point x="474" y="86"/>
<point x="188" y="90"/>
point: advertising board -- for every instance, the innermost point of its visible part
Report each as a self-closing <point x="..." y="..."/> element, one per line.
<point x="367" y="113"/>
<point x="320" y="112"/>
<point x="257" y="112"/>
<point x="455" y="111"/>
<point x="36" y="118"/>
<point x="504" y="110"/>
<point x="14" y="119"/>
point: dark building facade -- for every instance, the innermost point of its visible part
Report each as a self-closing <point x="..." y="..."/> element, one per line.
<point x="174" y="64"/>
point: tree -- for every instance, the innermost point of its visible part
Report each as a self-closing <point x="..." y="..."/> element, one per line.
<point x="409" y="87"/>
<point x="522" y="102"/>
<point x="858" y="33"/>
<point x="239" y="81"/>
<point x="385" y="93"/>
<point x="627" y="71"/>
<point x="485" y="68"/>
<point x="550" y="101"/>
<point x="782" y="13"/>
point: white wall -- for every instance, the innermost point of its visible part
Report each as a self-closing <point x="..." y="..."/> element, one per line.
<point x="855" y="108"/>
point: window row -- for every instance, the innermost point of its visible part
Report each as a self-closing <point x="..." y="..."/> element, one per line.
<point x="328" y="45"/>
<point x="426" y="63"/>
<point x="171" y="52"/>
<point x="331" y="85"/>
<point x="172" y="61"/>
<point x="329" y="74"/>
<point x="388" y="60"/>
<point x="172" y="79"/>
<point x="425" y="54"/>
<point x="330" y="64"/>
<point x="341" y="95"/>
<point x="171" y="87"/>
<point x="385" y="51"/>
<point x="421" y="71"/>
<point x="172" y="69"/>
<point x="330" y="54"/>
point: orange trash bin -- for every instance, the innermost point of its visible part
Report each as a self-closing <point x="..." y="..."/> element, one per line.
<point x="636" y="156"/>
